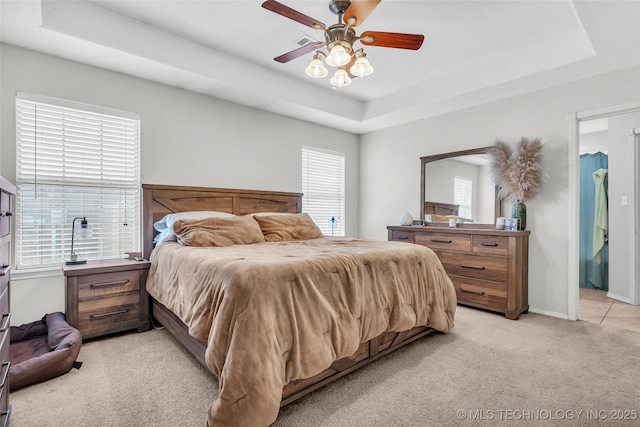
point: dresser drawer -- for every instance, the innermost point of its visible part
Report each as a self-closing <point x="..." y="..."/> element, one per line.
<point x="402" y="236"/>
<point x="5" y="353"/>
<point x="4" y="383"/>
<point x="490" y="245"/>
<point x="5" y="213"/>
<point x="5" y="262"/>
<point x="445" y="241"/>
<point x="106" y="284"/>
<point x="115" y="313"/>
<point x="481" y="267"/>
<point x="4" y="309"/>
<point x="481" y="293"/>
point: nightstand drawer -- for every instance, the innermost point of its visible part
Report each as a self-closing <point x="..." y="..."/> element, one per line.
<point x="480" y="267"/>
<point x="490" y="245"/>
<point x="105" y="284"/>
<point x="402" y="236"/>
<point x="444" y="241"/>
<point x="111" y="314"/>
<point x="107" y="296"/>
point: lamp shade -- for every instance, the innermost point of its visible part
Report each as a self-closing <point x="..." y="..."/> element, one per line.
<point x="361" y="67"/>
<point x="338" y="56"/>
<point x="316" y="69"/>
<point x="340" y="78"/>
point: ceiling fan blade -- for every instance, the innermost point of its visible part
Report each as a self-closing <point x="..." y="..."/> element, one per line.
<point x="287" y="12"/>
<point x="359" y="10"/>
<point x="296" y="53"/>
<point x="395" y="40"/>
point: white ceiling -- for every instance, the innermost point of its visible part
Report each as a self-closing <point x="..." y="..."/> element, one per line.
<point x="474" y="52"/>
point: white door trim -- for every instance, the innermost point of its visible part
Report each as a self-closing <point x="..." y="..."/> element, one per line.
<point x="634" y="220"/>
<point x="573" y="260"/>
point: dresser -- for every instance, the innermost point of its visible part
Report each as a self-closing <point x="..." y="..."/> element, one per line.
<point x="488" y="267"/>
<point x="7" y="194"/>
<point x="107" y="296"/>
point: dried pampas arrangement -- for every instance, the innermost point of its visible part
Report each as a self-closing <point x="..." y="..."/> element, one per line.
<point x="518" y="175"/>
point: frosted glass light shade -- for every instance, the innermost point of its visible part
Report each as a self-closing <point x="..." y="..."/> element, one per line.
<point x="361" y="67"/>
<point x="338" y="56"/>
<point x="340" y="78"/>
<point x="316" y="69"/>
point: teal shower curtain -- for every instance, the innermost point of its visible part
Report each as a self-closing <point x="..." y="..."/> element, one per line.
<point x="593" y="274"/>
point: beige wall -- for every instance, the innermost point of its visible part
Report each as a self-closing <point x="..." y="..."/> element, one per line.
<point x="186" y="139"/>
<point x="242" y="147"/>
<point x="539" y="114"/>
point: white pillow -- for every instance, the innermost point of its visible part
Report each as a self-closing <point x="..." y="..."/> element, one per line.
<point x="165" y="225"/>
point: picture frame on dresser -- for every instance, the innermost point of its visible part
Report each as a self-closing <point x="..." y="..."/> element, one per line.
<point x="511" y="224"/>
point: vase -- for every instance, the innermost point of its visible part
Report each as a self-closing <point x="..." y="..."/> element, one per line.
<point x="406" y="218"/>
<point x="519" y="211"/>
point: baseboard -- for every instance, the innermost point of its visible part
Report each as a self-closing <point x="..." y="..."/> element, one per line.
<point x="559" y="315"/>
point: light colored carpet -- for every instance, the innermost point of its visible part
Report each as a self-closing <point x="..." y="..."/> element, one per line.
<point x="535" y="371"/>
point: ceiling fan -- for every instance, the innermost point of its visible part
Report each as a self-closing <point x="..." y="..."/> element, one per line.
<point x="340" y="38"/>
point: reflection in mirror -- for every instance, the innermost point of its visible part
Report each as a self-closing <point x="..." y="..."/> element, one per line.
<point x="459" y="183"/>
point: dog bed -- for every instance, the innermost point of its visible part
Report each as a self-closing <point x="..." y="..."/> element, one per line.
<point x="43" y="350"/>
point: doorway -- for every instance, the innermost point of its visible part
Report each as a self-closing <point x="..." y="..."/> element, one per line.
<point x="622" y="195"/>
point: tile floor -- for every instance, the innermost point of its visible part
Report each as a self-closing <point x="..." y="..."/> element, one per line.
<point x="596" y="307"/>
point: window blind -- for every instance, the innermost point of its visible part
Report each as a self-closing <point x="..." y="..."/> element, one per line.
<point x="323" y="189"/>
<point x="462" y="195"/>
<point x="74" y="160"/>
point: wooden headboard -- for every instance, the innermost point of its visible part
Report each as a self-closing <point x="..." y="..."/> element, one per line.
<point x="160" y="200"/>
<point x="438" y="208"/>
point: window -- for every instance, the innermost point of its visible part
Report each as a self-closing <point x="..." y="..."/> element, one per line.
<point x="74" y="160"/>
<point x="323" y="189"/>
<point x="462" y="195"/>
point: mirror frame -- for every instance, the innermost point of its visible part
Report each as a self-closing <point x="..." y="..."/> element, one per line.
<point x="428" y="159"/>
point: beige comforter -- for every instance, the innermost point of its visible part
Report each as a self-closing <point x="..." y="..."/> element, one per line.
<point x="276" y="312"/>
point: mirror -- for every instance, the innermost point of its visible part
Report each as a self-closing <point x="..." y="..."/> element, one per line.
<point x="469" y="172"/>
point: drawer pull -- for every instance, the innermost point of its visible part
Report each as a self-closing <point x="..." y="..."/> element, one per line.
<point x="475" y="267"/>
<point x="106" y="285"/>
<point x="402" y="238"/>
<point x="5" y="270"/>
<point x="493" y="245"/>
<point x="6" y="414"/>
<point x="111" y="313"/>
<point x="5" y="325"/>
<point x="472" y="292"/>
<point x="6" y="373"/>
<point x="441" y="241"/>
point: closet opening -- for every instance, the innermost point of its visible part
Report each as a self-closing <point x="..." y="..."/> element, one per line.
<point x="605" y="282"/>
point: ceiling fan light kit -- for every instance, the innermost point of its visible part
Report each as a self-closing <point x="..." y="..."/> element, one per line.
<point x="361" y="67"/>
<point x="340" y="78"/>
<point x="340" y="38"/>
<point x="316" y="69"/>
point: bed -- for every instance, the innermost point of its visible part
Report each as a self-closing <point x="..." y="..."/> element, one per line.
<point x="438" y="208"/>
<point x="319" y="316"/>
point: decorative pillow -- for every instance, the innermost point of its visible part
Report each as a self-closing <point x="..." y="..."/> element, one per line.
<point x="279" y="228"/>
<point x="165" y="226"/>
<point x="237" y="230"/>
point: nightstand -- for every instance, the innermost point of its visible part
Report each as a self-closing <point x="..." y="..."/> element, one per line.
<point x="107" y="296"/>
